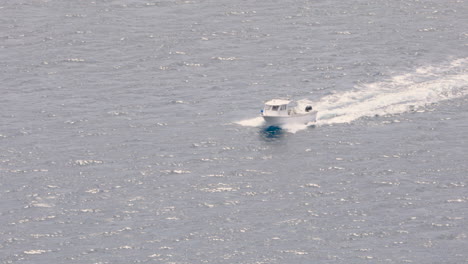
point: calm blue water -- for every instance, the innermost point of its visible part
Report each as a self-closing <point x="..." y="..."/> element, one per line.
<point x="130" y="132"/>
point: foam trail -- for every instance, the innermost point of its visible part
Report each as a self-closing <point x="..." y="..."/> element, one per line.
<point x="400" y="94"/>
<point x="293" y="128"/>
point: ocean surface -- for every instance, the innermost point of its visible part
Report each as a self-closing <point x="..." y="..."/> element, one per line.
<point x="130" y="131"/>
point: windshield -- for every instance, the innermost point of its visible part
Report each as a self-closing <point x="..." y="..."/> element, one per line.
<point x="275" y="107"/>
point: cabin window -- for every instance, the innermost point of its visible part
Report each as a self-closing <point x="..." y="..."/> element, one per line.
<point x="283" y="107"/>
<point x="267" y="107"/>
<point x="275" y="108"/>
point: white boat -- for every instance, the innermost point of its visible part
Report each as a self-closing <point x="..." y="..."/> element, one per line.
<point x="279" y="112"/>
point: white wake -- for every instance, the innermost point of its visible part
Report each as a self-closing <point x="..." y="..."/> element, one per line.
<point x="400" y="94"/>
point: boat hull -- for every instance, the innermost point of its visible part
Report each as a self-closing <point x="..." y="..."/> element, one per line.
<point x="292" y="119"/>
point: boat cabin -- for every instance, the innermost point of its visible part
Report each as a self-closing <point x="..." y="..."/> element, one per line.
<point x="277" y="107"/>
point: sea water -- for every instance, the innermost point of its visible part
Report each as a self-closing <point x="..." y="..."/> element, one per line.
<point x="131" y="132"/>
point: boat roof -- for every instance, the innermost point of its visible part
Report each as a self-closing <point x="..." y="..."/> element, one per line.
<point x="278" y="102"/>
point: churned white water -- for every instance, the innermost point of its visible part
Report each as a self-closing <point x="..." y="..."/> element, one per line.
<point x="415" y="91"/>
<point x="130" y="132"/>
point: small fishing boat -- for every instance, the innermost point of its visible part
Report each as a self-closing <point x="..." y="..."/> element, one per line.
<point x="279" y="112"/>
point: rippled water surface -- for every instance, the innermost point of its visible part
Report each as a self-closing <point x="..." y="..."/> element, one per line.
<point x="130" y="132"/>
